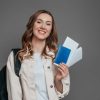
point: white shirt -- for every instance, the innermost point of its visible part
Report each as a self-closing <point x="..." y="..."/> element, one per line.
<point x="40" y="82"/>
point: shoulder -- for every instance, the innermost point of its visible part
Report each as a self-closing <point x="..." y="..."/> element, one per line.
<point x="10" y="56"/>
<point x="10" y="62"/>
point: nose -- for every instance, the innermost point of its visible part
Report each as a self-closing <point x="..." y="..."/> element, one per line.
<point x="43" y="25"/>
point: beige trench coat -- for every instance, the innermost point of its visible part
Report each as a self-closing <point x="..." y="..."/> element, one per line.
<point x="23" y="87"/>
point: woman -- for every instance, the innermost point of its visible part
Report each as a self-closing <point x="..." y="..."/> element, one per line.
<point x="39" y="78"/>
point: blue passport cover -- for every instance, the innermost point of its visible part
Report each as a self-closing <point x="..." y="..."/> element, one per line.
<point x="62" y="55"/>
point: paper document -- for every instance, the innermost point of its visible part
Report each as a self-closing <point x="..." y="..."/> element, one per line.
<point x="70" y="58"/>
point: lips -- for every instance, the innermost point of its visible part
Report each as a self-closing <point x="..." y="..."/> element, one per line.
<point x="42" y="31"/>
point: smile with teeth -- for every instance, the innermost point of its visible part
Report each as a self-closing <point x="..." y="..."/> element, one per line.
<point x="42" y="32"/>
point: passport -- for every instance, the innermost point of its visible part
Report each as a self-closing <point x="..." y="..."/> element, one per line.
<point x="62" y="55"/>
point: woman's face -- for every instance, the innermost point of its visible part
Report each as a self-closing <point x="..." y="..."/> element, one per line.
<point x="42" y="26"/>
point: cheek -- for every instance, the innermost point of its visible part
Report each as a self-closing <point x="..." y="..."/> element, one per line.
<point x="35" y="27"/>
<point x="49" y="29"/>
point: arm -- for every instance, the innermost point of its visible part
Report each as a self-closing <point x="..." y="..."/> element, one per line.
<point x="63" y="87"/>
<point x="13" y="84"/>
<point x="62" y="81"/>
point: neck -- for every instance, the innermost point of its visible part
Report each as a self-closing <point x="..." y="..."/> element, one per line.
<point x="38" y="45"/>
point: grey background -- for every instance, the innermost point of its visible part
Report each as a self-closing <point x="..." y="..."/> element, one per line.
<point x="78" y="19"/>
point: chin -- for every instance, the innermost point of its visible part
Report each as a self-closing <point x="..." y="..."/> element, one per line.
<point x="41" y="38"/>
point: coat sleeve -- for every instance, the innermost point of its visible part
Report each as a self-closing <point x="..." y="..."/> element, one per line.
<point x="66" y="87"/>
<point x="13" y="83"/>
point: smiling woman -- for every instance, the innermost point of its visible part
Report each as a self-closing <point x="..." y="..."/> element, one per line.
<point x="39" y="78"/>
<point x="42" y="26"/>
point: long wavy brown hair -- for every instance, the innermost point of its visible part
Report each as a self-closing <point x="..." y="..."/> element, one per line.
<point x="51" y="41"/>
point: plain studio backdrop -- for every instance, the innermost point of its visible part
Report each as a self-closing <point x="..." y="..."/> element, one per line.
<point x="78" y="19"/>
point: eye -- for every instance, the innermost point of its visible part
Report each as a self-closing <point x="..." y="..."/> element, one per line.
<point x="38" y="22"/>
<point x="48" y="24"/>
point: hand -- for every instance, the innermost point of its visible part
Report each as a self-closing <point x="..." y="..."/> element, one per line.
<point x="62" y="71"/>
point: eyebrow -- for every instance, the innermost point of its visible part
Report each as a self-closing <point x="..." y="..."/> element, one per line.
<point x="46" y="21"/>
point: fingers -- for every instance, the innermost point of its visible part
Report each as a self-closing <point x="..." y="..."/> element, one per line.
<point x="61" y="71"/>
<point x="63" y="68"/>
